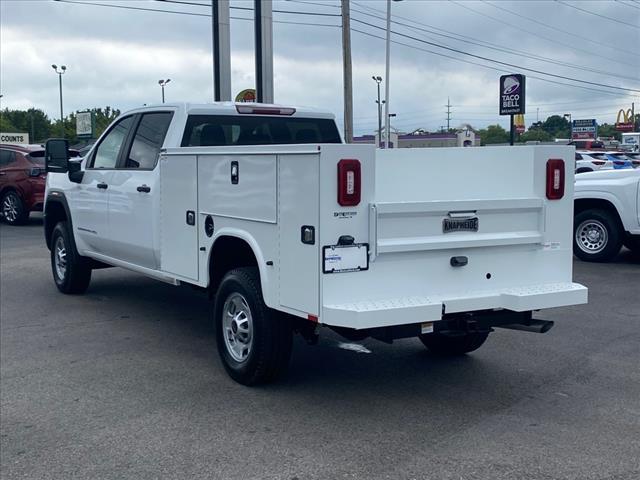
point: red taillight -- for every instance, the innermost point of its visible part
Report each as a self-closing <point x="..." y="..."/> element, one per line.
<point x="555" y="179"/>
<point x="348" y="182"/>
<point x="618" y="162"/>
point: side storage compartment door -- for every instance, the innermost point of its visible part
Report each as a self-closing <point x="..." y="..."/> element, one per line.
<point x="298" y="200"/>
<point x="178" y="215"/>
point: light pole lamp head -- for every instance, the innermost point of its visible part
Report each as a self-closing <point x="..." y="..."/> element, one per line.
<point x="63" y="67"/>
<point x="54" y="66"/>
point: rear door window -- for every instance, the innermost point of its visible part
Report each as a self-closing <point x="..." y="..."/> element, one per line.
<point x="7" y="157"/>
<point x="148" y="140"/>
<point x="220" y="130"/>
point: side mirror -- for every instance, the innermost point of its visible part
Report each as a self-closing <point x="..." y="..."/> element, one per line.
<point x="56" y="155"/>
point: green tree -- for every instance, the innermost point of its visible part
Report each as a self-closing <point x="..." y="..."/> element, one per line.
<point x="536" y="134"/>
<point x="33" y="121"/>
<point x="608" y="130"/>
<point x="557" y="126"/>
<point x="493" y="134"/>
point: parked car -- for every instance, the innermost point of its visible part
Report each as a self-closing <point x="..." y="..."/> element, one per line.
<point x="587" y="144"/>
<point x="619" y="159"/>
<point x="22" y="181"/>
<point x="592" y="161"/>
<point x="634" y="157"/>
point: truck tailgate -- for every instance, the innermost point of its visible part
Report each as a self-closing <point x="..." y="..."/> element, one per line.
<point x="456" y="230"/>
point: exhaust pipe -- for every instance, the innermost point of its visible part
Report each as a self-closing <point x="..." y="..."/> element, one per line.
<point x="533" y="325"/>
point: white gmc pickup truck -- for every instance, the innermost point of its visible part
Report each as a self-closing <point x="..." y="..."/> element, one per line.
<point x="290" y="229"/>
<point x="607" y="214"/>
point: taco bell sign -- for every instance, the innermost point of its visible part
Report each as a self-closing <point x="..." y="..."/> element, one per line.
<point x="512" y="96"/>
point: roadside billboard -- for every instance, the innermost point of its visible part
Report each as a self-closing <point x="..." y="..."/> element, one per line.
<point x="584" y="129"/>
<point x="626" y="125"/>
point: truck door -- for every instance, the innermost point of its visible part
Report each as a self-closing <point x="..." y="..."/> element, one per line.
<point x="90" y="200"/>
<point x="134" y="193"/>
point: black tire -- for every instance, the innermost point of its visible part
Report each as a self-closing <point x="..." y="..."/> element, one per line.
<point x="450" y="345"/>
<point x="597" y="236"/>
<point x="267" y="355"/>
<point x="73" y="275"/>
<point x="13" y="209"/>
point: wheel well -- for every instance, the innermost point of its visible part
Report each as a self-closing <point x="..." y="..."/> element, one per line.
<point x="228" y="253"/>
<point x="582" y="204"/>
<point x="54" y="213"/>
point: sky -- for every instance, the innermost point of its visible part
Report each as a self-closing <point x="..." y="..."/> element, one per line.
<point x="442" y="50"/>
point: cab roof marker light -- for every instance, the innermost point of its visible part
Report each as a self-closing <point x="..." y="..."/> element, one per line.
<point x="253" y="110"/>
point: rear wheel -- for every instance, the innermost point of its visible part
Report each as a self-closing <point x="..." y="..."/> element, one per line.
<point x="597" y="236"/>
<point x="71" y="272"/>
<point x="13" y="209"/>
<point x="254" y="342"/>
<point x="453" y="344"/>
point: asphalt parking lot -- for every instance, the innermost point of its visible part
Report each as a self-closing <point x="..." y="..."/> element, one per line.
<point x="125" y="382"/>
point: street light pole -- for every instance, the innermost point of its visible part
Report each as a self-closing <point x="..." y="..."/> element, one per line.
<point x="62" y="71"/>
<point x="162" y="83"/>
<point x="378" y="80"/>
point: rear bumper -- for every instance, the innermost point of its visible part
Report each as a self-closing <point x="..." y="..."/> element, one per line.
<point x="402" y="311"/>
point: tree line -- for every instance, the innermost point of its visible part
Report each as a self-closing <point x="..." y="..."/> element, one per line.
<point x="553" y="127"/>
<point x="40" y="127"/>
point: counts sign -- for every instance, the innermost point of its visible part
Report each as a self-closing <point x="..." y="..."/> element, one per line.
<point x="512" y="94"/>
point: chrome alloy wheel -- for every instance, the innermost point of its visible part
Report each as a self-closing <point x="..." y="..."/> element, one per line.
<point x="60" y="259"/>
<point x="237" y="327"/>
<point x="592" y="236"/>
<point x="10" y="208"/>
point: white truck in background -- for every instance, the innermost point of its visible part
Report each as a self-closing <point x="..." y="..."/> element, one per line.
<point x="607" y="214"/>
<point x="290" y="229"/>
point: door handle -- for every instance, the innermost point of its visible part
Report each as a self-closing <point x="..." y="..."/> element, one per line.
<point x="102" y="185"/>
<point x="144" y="188"/>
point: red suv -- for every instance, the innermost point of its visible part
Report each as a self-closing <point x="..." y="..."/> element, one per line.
<point x="22" y="181"/>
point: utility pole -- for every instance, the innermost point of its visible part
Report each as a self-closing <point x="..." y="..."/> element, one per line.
<point x="263" y="18"/>
<point x="346" y="72"/>
<point x="220" y="35"/>
<point x="448" y="105"/>
<point x="386" y="78"/>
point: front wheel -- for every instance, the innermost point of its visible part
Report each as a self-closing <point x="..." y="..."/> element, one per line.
<point x="597" y="236"/>
<point x="254" y="342"/>
<point x="13" y="209"/>
<point x="71" y="272"/>
<point x="452" y="344"/>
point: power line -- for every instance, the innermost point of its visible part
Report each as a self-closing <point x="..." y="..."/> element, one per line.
<point x="499" y="48"/>
<point x="598" y="15"/>
<point x="605" y="92"/>
<point x="555" y="42"/>
<point x="616" y="48"/>
<point x="498" y="61"/>
<point x="191" y="13"/>
<point x="626" y="4"/>
<point x="251" y="9"/>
